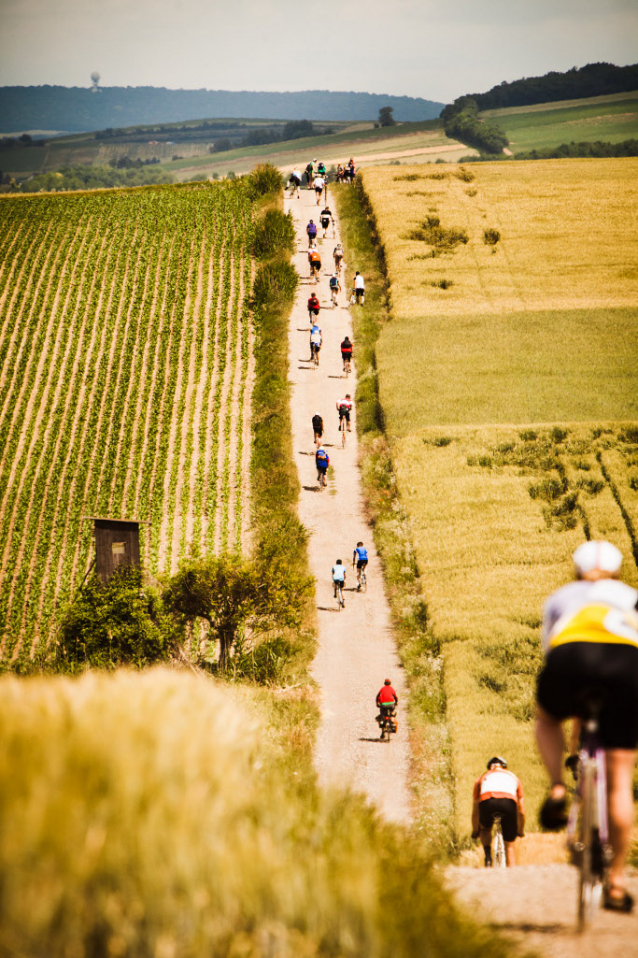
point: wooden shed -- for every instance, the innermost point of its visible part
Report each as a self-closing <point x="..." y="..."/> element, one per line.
<point x="117" y="543"/>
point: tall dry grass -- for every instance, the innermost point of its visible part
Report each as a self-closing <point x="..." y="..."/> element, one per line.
<point x="157" y="815"/>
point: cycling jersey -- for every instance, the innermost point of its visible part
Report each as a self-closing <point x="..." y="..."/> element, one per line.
<point x="314" y="257"/>
<point x="345" y="405"/>
<point x="346" y="348"/>
<point x="311" y="229"/>
<point x="313" y="303"/>
<point x="322" y="459"/>
<point x="583" y="611"/>
<point x="497" y="783"/>
<point x="319" y="184"/>
<point x="334" y="282"/>
<point x="359" y="282"/>
<point x="387" y="694"/>
<point x="315" y="337"/>
<point x="362" y="553"/>
<point x="338" y="573"/>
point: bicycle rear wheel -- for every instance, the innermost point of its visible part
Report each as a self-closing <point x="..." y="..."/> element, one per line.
<point x="364" y="582"/>
<point x="500" y="860"/>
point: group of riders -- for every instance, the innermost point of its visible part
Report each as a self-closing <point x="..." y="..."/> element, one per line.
<point x="590" y="644"/>
<point x="316" y="176"/>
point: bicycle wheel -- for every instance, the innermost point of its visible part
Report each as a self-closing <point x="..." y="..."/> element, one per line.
<point x="590" y="878"/>
<point x="499" y="848"/>
<point x="364" y="582"/>
<point x="343" y="433"/>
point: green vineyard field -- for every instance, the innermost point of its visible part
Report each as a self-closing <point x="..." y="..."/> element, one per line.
<point x="125" y="379"/>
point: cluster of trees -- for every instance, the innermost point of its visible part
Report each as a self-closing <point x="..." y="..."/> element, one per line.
<point x="461" y="122"/>
<point x="13" y="142"/>
<point x="93" y="178"/>
<point x="598" y="149"/>
<point x="594" y="79"/>
<point x="260" y="136"/>
<point x="126" y="163"/>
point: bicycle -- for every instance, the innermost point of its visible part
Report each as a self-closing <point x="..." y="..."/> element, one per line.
<point x="341" y="604"/>
<point x="342" y="429"/>
<point x="347" y="367"/>
<point x="587" y="824"/>
<point x="314" y="353"/>
<point x="363" y="581"/>
<point x="499" y="858"/>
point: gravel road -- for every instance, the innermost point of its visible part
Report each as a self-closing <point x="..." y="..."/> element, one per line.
<point x="356" y="647"/>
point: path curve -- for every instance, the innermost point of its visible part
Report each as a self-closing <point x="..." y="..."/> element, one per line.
<point x="356" y="649"/>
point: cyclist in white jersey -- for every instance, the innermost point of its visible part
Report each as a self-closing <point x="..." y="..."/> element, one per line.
<point x="498" y="792"/>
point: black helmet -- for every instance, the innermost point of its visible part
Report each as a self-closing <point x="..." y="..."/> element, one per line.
<point x="497" y="761"/>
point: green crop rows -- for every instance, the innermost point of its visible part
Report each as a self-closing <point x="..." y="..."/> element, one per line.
<point x="124" y="355"/>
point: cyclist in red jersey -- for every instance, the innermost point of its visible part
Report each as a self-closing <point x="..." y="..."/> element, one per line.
<point x="387" y="701"/>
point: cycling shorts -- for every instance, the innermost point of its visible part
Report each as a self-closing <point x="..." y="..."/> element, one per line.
<point x="576" y="667"/>
<point x="362" y="563"/>
<point x="344" y="414"/>
<point x="359" y="292"/>
<point x="346" y="356"/>
<point x="315" y="264"/>
<point x="313" y="309"/>
<point x="507" y="809"/>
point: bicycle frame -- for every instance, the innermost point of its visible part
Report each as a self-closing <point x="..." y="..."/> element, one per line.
<point x="500" y="859"/>
<point x="588" y="826"/>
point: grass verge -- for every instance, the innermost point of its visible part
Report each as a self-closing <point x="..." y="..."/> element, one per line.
<point x="418" y="648"/>
<point x="149" y="816"/>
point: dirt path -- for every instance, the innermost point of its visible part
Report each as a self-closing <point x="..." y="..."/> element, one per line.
<point x="356" y="648"/>
<point x="536" y="905"/>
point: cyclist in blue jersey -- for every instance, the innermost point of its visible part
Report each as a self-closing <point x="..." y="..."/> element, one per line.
<point x="360" y="559"/>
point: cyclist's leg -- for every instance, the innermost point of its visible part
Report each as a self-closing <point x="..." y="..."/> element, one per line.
<point x="620" y="771"/>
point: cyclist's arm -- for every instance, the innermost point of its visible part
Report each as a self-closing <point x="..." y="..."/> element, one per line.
<point x="354" y="558"/>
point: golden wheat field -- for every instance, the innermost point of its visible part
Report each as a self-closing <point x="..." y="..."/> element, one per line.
<point x="510" y="397"/>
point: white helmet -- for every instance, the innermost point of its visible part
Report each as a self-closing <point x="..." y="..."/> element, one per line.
<point x="597" y="555"/>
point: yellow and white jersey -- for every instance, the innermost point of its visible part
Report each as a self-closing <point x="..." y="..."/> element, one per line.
<point x="603" y="611"/>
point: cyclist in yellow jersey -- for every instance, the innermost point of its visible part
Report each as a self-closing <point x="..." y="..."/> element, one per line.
<point x="590" y="639"/>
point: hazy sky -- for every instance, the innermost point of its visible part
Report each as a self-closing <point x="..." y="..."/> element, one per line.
<point x="438" y="49"/>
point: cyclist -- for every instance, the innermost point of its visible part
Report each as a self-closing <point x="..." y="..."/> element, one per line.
<point x="325" y="218"/>
<point x="313" y="308"/>
<point x="319" y="185"/>
<point x="387" y="701"/>
<point x="337" y="255"/>
<point x="346" y="353"/>
<point x="317" y="426"/>
<point x="309" y="174"/>
<point x="339" y="578"/>
<point x="311" y="230"/>
<point x="321" y="169"/>
<point x="335" y="287"/>
<point x="315" y="343"/>
<point x="322" y="461"/>
<point x="590" y="639"/>
<point x="360" y="557"/>
<point x="315" y="264"/>
<point x="295" y="182"/>
<point x="498" y="792"/>
<point x="351" y="170"/>
<point x="344" y="406"/>
<point x="339" y="174"/>
<point x="359" y="287"/>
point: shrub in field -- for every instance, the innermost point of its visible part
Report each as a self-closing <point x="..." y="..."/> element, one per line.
<point x="274" y="234"/>
<point x="491" y="237"/>
<point x="263" y="180"/>
<point x="150" y="817"/>
<point x="263" y="663"/>
<point x="233" y="595"/>
<point x="465" y="175"/>
<point x="442" y="283"/>
<point x="434" y="234"/>
<point x="274" y="283"/>
<point x="120" y="623"/>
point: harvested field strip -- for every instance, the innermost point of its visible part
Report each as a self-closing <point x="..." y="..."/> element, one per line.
<point x="113" y="382"/>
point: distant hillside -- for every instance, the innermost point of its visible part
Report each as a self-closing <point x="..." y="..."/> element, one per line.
<point x="76" y="109"/>
<point x="594" y="79"/>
